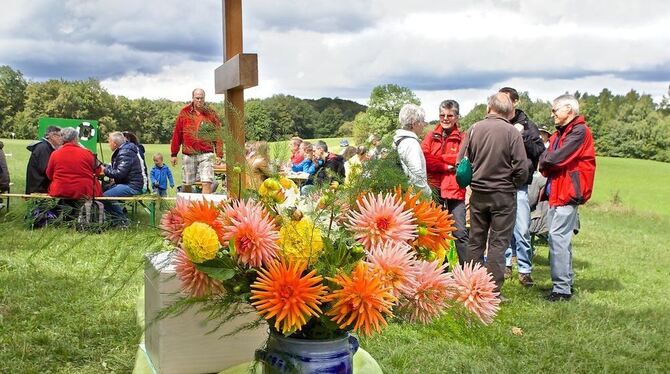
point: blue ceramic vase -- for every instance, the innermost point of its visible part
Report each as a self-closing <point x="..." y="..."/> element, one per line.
<point x="288" y="355"/>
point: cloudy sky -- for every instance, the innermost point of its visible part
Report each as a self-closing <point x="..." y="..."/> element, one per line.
<point x="313" y="48"/>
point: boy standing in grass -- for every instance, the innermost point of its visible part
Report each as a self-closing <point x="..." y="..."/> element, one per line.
<point x="160" y="174"/>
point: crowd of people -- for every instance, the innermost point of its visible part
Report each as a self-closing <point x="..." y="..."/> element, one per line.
<point x="508" y="153"/>
<point x="515" y="166"/>
<point x="61" y="167"/>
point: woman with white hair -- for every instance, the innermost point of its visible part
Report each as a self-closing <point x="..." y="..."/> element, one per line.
<point x="406" y="141"/>
<point x="71" y="169"/>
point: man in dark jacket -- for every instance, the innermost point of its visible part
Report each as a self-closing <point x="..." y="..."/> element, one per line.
<point x="331" y="166"/>
<point x="36" y="177"/>
<point x="499" y="168"/>
<point x="520" y="244"/>
<point x="570" y="166"/>
<point x="126" y="173"/>
<point x="4" y="171"/>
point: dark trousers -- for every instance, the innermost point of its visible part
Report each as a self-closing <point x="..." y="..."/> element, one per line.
<point x="457" y="210"/>
<point x="492" y="217"/>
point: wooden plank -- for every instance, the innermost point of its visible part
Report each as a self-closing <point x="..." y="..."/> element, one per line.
<point x="241" y="71"/>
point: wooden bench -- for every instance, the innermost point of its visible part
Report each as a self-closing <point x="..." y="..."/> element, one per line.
<point x="148" y="202"/>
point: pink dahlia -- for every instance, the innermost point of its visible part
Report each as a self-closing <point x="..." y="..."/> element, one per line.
<point x="395" y="263"/>
<point x="381" y="219"/>
<point x="253" y="232"/>
<point x="193" y="281"/>
<point x="474" y="287"/>
<point x="430" y="292"/>
<point x="172" y="223"/>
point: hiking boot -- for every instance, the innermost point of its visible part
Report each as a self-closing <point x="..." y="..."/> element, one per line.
<point x="526" y="280"/>
<point x="555" y="296"/>
<point x="508" y="272"/>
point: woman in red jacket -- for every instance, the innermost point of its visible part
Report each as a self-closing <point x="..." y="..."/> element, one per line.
<point x="440" y="148"/>
<point x="71" y="169"/>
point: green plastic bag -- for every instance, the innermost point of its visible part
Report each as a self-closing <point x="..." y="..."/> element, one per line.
<point x="464" y="172"/>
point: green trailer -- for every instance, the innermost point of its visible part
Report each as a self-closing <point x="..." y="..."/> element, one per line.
<point x="88" y="129"/>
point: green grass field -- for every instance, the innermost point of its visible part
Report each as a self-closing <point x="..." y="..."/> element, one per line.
<point x="67" y="300"/>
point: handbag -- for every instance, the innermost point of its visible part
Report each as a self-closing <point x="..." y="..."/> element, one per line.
<point x="464" y="166"/>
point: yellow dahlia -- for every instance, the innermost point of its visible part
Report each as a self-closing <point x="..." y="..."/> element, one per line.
<point x="200" y="242"/>
<point x="300" y="241"/>
<point x="281" y="292"/>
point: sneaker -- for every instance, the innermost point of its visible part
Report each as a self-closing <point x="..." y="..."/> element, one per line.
<point x="555" y="296"/>
<point x="526" y="280"/>
<point x="508" y="272"/>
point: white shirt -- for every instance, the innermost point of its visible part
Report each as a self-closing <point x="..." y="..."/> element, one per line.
<point x="412" y="160"/>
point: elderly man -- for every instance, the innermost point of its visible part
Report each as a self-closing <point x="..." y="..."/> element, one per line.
<point x="499" y="168"/>
<point x="330" y="165"/>
<point x="198" y="148"/>
<point x="406" y="141"/>
<point x="440" y="147"/>
<point x="569" y="165"/>
<point x="36" y="178"/>
<point x="126" y="173"/>
<point x="520" y="245"/>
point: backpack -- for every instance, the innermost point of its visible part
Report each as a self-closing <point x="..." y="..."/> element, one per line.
<point x="91" y="216"/>
<point x="397" y="142"/>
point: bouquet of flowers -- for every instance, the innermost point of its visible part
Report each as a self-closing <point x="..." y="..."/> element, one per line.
<point x="332" y="262"/>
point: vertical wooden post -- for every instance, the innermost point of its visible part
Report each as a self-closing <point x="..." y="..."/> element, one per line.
<point x="239" y="71"/>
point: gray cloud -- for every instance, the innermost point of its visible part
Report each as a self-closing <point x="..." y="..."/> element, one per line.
<point x="344" y="48"/>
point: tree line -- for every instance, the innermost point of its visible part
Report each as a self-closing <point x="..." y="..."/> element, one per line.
<point x="279" y="117"/>
<point x="630" y="125"/>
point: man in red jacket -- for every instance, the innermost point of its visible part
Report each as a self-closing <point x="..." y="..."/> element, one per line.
<point x="198" y="148"/>
<point x="569" y="165"/>
<point x="440" y="148"/>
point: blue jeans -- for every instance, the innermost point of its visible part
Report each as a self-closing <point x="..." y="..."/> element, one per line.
<point x="561" y="221"/>
<point x="115" y="208"/>
<point x="520" y="244"/>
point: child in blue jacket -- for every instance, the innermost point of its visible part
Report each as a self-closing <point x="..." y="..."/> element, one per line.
<point x="160" y="175"/>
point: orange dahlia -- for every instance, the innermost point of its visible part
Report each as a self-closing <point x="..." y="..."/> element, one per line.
<point x="474" y="287"/>
<point x="362" y="302"/>
<point x="253" y="232"/>
<point x="381" y="219"/>
<point x="282" y="292"/>
<point x="395" y="263"/>
<point x="205" y="212"/>
<point x="193" y="281"/>
<point x="430" y="292"/>
<point x="435" y="224"/>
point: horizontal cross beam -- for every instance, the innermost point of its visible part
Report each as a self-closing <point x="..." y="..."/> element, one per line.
<point x="241" y="71"/>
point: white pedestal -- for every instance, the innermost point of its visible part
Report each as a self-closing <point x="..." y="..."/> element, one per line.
<point x="180" y="344"/>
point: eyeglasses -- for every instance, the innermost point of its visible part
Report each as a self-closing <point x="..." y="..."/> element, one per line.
<point x="448" y="115"/>
<point x="554" y="110"/>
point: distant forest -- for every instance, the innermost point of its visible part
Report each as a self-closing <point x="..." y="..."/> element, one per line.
<point x="630" y="125"/>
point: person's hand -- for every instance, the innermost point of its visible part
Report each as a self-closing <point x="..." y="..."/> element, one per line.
<point x="174" y="161"/>
<point x="519" y="127"/>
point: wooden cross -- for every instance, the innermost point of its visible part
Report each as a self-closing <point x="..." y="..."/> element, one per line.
<point x="239" y="71"/>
